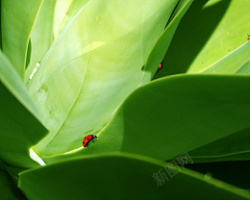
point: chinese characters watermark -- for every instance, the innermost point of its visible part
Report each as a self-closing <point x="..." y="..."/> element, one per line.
<point x="171" y="169"/>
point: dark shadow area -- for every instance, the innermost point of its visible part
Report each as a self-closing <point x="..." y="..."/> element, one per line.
<point x="28" y="54"/>
<point x="236" y="142"/>
<point x="10" y="184"/>
<point x="191" y="35"/>
<point x="235" y="173"/>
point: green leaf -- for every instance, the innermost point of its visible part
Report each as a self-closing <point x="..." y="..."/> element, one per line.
<point x="0" y="27"/>
<point x="233" y="157"/>
<point x="65" y="11"/>
<point x="234" y="144"/>
<point x="61" y="11"/>
<point x="122" y="176"/>
<point x="42" y="35"/>
<point x="21" y="125"/>
<point x="17" y="21"/>
<point x="209" y="32"/>
<point x="92" y="66"/>
<point x="245" y="68"/>
<point x="160" y="48"/>
<point x="174" y="115"/>
<point x="235" y="62"/>
<point x="8" y="188"/>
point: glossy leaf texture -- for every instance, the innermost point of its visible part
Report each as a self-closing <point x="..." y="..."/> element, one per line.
<point x="21" y="125"/>
<point x="175" y="114"/>
<point x="122" y="176"/>
<point x="210" y="31"/>
<point x="17" y="21"/>
<point x="93" y="64"/>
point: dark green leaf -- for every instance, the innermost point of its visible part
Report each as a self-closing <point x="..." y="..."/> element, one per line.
<point x="21" y="126"/>
<point x="122" y="176"/>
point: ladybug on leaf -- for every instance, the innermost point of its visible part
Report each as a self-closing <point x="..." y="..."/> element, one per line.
<point x="88" y="139"/>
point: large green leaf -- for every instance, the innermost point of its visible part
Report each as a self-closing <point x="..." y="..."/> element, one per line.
<point x="174" y="115"/>
<point x="122" y="176"/>
<point x="42" y="36"/>
<point x="209" y="32"/>
<point x="21" y="126"/>
<point x="17" y="21"/>
<point x="92" y="66"/>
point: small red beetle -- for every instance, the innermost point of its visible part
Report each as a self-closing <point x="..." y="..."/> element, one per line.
<point x="160" y="66"/>
<point x="88" y="139"/>
<point x="249" y="37"/>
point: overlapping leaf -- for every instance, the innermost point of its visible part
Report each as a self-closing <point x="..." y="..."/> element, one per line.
<point x="174" y="115"/>
<point x="210" y="31"/>
<point x="122" y="176"/>
<point x="42" y="36"/>
<point x="21" y="125"/>
<point x="17" y="21"/>
<point x="92" y="66"/>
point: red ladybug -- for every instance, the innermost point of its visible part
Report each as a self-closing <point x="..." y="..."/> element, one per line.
<point x="160" y="66"/>
<point x="249" y="37"/>
<point x="88" y="139"/>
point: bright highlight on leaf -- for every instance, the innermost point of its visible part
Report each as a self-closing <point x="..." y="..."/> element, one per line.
<point x="36" y="158"/>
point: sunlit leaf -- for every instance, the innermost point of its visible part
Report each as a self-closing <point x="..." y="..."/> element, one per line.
<point x="92" y="66"/>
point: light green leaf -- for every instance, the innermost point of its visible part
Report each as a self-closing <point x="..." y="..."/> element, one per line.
<point x="245" y="68"/>
<point x="61" y="11"/>
<point x="21" y="125"/>
<point x="157" y="54"/>
<point x="17" y="21"/>
<point x="122" y="176"/>
<point x="92" y="66"/>
<point x="209" y="32"/>
<point x="235" y="62"/>
<point x="65" y="11"/>
<point x="42" y="35"/>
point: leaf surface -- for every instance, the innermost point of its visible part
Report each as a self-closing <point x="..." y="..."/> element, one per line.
<point x="122" y="176"/>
